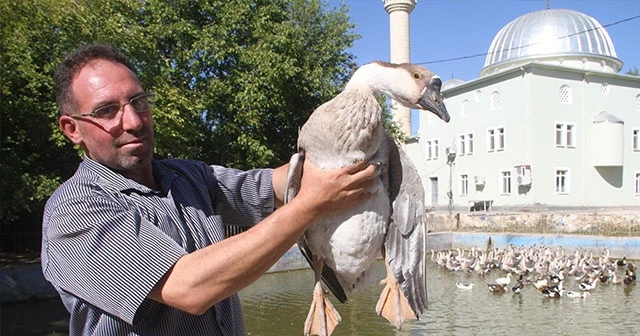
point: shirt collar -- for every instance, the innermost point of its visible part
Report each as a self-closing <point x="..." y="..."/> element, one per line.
<point x="111" y="178"/>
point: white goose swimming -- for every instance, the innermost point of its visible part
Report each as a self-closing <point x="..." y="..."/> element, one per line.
<point x="464" y="286"/>
<point x="577" y="295"/>
<point x="504" y="281"/>
<point x="341" y="247"/>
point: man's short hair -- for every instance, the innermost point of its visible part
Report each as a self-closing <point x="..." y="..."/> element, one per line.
<point x="74" y="61"/>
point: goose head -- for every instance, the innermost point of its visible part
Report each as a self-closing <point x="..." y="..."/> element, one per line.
<point x="411" y="85"/>
<point x="423" y="88"/>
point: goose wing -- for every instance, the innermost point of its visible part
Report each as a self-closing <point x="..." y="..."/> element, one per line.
<point x="405" y="241"/>
<point x="294" y="178"/>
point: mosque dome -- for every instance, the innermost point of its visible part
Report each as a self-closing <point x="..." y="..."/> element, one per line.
<point x="553" y="36"/>
<point x="450" y="83"/>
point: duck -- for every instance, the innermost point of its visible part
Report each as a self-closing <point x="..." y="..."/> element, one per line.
<point x="341" y="247"/>
<point x="631" y="268"/>
<point x="464" y="286"/>
<point x="540" y="283"/>
<point x="587" y="285"/>
<point x="553" y="291"/>
<point x="504" y="281"/>
<point x="628" y="278"/>
<point x="614" y="278"/>
<point x="496" y="288"/>
<point x="603" y="278"/>
<point x="557" y="278"/>
<point x="622" y="262"/>
<point x="517" y="288"/>
<point x="577" y="295"/>
<point x="452" y="264"/>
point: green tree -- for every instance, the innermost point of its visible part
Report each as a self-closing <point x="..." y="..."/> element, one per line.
<point x="235" y="80"/>
<point x="34" y="158"/>
<point x="633" y="72"/>
<point x="241" y="77"/>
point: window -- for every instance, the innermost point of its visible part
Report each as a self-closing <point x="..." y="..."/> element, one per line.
<point x="491" y="140"/>
<point x="636" y="140"/>
<point x="562" y="181"/>
<point x="566" y="94"/>
<point x="461" y="145"/>
<point x="465" y="109"/>
<point x="432" y="149"/>
<point x="496" y="101"/>
<point x="604" y="88"/>
<point x="465" y="144"/>
<point x="478" y="96"/>
<point x="464" y="185"/>
<point x="637" y="103"/>
<point x="637" y="183"/>
<point x="495" y="139"/>
<point x="565" y="135"/>
<point x="505" y="182"/>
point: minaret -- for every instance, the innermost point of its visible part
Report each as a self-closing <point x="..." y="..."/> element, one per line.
<point x="399" y="11"/>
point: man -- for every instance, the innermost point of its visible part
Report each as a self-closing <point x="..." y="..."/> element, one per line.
<point x="136" y="246"/>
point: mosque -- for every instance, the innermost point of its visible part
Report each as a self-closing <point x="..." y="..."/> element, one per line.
<point x="550" y="122"/>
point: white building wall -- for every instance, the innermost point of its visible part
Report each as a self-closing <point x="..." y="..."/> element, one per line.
<point x="530" y="108"/>
<point x="547" y="111"/>
<point x="614" y="185"/>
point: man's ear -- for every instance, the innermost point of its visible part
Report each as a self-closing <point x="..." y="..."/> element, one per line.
<point x="69" y="126"/>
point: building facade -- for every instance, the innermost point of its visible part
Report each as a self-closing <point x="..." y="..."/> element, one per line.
<point x="550" y="121"/>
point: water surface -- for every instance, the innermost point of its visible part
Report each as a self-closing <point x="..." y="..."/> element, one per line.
<point x="277" y="304"/>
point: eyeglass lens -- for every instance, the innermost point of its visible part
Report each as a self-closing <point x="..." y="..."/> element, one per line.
<point x="108" y="114"/>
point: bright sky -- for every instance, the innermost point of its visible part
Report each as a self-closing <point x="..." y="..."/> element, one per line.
<point x="445" y="29"/>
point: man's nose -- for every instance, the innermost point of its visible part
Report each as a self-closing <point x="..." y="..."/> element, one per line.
<point x="131" y="120"/>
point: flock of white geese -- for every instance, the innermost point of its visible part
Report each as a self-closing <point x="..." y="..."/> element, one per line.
<point x="543" y="267"/>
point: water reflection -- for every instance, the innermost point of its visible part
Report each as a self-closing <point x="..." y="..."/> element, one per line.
<point x="277" y="304"/>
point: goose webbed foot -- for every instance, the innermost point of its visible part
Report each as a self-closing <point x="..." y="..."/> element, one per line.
<point x="392" y="304"/>
<point x="322" y="317"/>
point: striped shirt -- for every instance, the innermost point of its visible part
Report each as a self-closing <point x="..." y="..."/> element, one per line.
<point x="107" y="240"/>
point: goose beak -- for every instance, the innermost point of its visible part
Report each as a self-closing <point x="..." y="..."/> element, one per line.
<point x="431" y="99"/>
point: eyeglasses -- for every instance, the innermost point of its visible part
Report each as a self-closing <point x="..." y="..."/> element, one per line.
<point x="108" y="115"/>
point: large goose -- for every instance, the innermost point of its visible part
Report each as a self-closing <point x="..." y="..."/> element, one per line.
<point x="341" y="247"/>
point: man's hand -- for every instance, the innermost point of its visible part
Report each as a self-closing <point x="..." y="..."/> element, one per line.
<point x="332" y="190"/>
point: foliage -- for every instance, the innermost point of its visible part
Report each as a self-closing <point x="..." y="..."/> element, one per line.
<point x="391" y="126"/>
<point x="241" y="78"/>
<point x="633" y="72"/>
<point x="235" y="80"/>
<point x="34" y="158"/>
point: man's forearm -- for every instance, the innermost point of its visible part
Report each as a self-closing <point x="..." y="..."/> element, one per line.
<point x="201" y="279"/>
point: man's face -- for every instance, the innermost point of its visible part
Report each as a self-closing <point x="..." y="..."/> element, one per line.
<point x="126" y="144"/>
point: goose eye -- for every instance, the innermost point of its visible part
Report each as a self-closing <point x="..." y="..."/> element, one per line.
<point x="416" y="75"/>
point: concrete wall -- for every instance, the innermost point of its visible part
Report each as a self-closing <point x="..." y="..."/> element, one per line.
<point x="594" y="222"/>
<point x="619" y="247"/>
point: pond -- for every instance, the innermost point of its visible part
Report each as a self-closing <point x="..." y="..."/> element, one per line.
<point x="277" y="304"/>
